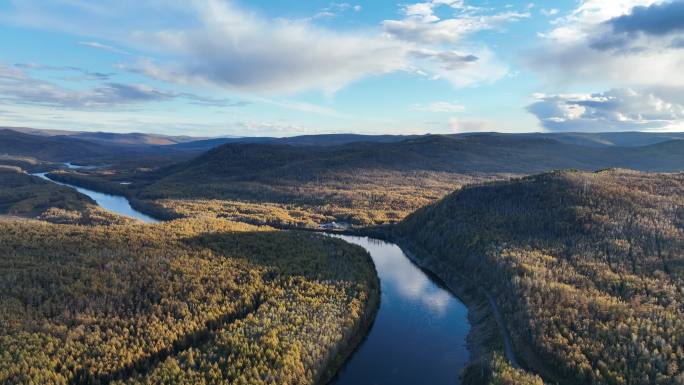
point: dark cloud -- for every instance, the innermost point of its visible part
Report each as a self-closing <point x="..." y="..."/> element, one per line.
<point x="615" y="110"/>
<point x="449" y="59"/>
<point x="610" y="42"/>
<point x="657" y="19"/>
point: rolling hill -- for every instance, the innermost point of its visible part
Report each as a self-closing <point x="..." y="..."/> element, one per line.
<point x="71" y="148"/>
<point x="587" y="268"/>
<point x="472" y="154"/>
<point x="367" y="183"/>
<point x="58" y="148"/>
<point x="110" y="138"/>
<point x="303" y="140"/>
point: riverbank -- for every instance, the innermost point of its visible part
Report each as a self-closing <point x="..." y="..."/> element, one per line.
<point x="489" y="340"/>
<point x="488" y="331"/>
<point x="352" y="340"/>
<point x="489" y="336"/>
<point x="479" y="319"/>
<point x="358" y="335"/>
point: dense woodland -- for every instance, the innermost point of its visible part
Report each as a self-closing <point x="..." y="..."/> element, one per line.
<point x="184" y="302"/>
<point x="588" y="268"/>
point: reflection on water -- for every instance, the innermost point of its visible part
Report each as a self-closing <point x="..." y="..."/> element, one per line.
<point x="420" y="330"/>
<point x="115" y="203"/>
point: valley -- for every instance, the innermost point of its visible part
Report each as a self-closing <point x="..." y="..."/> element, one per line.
<point x="539" y="246"/>
<point x="432" y="192"/>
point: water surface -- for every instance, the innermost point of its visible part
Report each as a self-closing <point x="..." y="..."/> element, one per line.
<point x="419" y="335"/>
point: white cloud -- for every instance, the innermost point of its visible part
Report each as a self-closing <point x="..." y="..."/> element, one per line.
<point x="460" y="126"/>
<point x="285" y="56"/>
<point x="220" y="44"/>
<point x="549" y="12"/>
<point x="271" y="128"/>
<point x="440" y="107"/>
<point x="97" y="45"/>
<point x="421" y="25"/>
<point x="585" y="47"/>
<point x="237" y="49"/>
<point x="615" y="110"/>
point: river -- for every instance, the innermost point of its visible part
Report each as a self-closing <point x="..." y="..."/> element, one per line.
<point x="419" y="334"/>
<point x="420" y="330"/>
<point x="115" y="203"/>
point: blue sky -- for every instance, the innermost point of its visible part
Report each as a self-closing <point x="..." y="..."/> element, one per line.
<point x="279" y="68"/>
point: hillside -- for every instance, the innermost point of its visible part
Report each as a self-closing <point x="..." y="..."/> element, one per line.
<point x="302" y="140"/>
<point x="606" y="139"/>
<point x="23" y="195"/>
<point x="587" y="268"/>
<point x="59" y="149"/>
<point x="358" y="183"/>
<point x="366" y="183"/>
<point x="473" y="154"/>
<point x="610" y="139"/>
<point x="110" y="138"/>
<point x="70" y="148"/>
<point x="186" y="302"/>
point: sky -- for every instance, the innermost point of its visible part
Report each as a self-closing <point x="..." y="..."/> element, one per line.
<point x="282" y="68"/>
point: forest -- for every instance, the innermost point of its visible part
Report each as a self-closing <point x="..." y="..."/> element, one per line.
<point x="293" y="183"/>
<point x="587" y="268"/>
<point x="183" y="302"/>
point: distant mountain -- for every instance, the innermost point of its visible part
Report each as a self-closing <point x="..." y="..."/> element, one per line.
<point x="198" y="144"/>
<point x="620" y="139"/>
<point x="303" y="140"/>
<point x="461" y="153"/>
<point x="55" y="148"/>
<point x="133" y="139"/>
<point x="70" y="148"/>
<point x="623" y="139"/>
<point x="130" y="139"/>
<point x="458" y="154"/>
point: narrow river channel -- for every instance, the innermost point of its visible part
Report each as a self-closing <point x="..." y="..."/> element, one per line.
<point x="419" y="334"/>
<point x="115" y="203"/>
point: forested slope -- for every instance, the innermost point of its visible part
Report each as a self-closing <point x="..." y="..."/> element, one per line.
<point x="371" y="183"/>
<point x="588" y="268"/>
<point x="184" y="302"/>
<point x="27" y="196"/>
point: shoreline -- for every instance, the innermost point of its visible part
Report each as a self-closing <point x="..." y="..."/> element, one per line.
<point x="482" y="311"/>
<point x="488" y="332"/>
<point x="359" y="334"/>
<point x="349" y="345"/>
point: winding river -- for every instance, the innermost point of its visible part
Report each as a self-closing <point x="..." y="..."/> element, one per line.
<point x="420" y="330"/>
<point x="115" y="203"/>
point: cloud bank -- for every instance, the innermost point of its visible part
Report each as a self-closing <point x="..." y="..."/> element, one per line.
<point x="630" y="45"/>
<point x="219" y="44"/>
<point x="632" y="42"/>
<point x="614" y="110"/>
